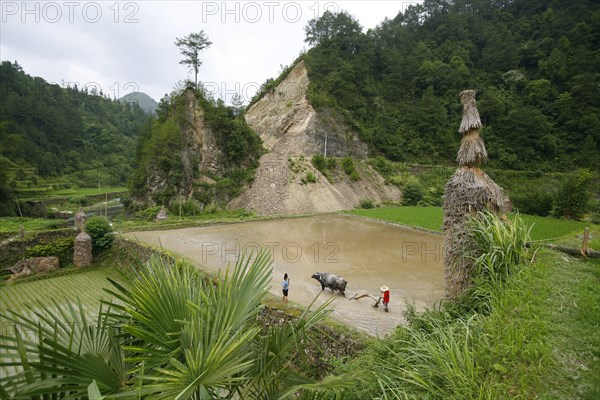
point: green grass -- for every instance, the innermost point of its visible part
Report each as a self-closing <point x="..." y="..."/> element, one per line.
<point x="62" y="287"/>
<point x="423" y="217"/>
<point x="575" y="241"/>
<point x="46" y="193"/>
<point x="13" y="224"/>
<point x="544" y="228"/>
<point x="573" y="326"/>
<point x="86" y="191"/>
<point x="540" y="340"/>
<point x="87" y="285"/>
<point x="174" y="222"/>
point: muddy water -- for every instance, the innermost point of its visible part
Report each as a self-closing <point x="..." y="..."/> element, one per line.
<point x="368" y="254"/>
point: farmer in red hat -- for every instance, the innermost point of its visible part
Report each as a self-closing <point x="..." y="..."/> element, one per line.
<point x="385" y="293"/>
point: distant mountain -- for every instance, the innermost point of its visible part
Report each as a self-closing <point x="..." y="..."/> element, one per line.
<point x="146" y="103"/>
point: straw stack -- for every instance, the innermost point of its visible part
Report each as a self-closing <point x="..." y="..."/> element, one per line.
<point x="467" y="192"/>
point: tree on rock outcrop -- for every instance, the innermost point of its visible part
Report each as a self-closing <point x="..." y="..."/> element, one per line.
<point x="190" y="47"/>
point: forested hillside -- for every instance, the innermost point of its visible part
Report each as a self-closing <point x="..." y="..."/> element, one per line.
<point x="195" y="149"/>
<point x="534" y="64"/>
<point x="47" y="130"/>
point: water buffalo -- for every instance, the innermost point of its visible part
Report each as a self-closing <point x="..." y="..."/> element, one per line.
<point x="331" y="281"/>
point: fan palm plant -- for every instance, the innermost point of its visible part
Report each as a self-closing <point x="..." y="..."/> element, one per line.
<point x="169" y="333"/>
<point x="60" y="351"/>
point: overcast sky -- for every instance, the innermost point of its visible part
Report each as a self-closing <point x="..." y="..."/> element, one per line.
<point x="128" y="46"/>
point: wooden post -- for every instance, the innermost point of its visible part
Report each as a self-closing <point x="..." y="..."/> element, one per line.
<point x="22" y="240"/>
<point x="586" y="238"/>
<point x="19" y="207"/>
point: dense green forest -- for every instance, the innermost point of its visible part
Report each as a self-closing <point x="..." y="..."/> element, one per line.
<point x="534" y="64"/>
<point x="47" y="130"/>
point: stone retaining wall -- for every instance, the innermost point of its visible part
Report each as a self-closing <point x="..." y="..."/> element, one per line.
<point x="14" y="250"/>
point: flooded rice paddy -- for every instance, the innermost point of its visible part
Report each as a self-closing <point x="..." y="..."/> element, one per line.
<point x="366" y="253"/>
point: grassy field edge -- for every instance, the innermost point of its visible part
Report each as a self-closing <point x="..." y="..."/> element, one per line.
<point x="540" y="341"/>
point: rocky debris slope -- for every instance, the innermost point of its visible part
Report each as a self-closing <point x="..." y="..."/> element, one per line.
<point x="293" y="131"/>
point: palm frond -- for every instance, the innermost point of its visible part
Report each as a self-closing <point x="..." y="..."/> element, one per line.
<point x="65" y="354"/>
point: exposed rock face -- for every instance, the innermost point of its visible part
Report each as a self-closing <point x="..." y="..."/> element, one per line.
<point x="292" y="131"/>
<point x="34" y="265"/>
<point x="285" y="113"/>
<point x="201" y="141"/>
<point x="82" y="250"/>
<point x="199" y="152"/>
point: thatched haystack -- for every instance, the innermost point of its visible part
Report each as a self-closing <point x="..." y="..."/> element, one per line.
<point x="467" y="192"/>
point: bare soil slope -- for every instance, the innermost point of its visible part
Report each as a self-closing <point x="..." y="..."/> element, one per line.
<point x="292" y="132"/>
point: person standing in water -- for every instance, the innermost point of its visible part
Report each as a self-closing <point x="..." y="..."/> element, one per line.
<point x="385" y="296"/>
<point x="286" y="287"/>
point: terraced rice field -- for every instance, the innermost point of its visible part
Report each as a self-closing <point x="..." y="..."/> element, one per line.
<point x="25" y="297"/>
<point x="86" y="286"/>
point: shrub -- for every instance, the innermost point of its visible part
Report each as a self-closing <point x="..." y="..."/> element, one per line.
<point x="211" y="208"/>
<point x="309" y="178"/>
<point x="324" y="165"/>
<point x="367" y="203"/>
<point x="397" y="180"/>
<point x="331" y="163"/>
<point x="383" y="166"/>
<point x="433" y="200"/>
<point x="412" y="194"/>
<point x="319" y="162"/>
<point x="572" y="199"/>
<point x="81" y="200"/>
<point x="501" y="246"/>
<point x="348" y="165"/>
<point x="295" y="166"/>
<point x="533" y="202"/>
<point x="61" y="248"/>
<point x="187" y="207"/>
<point x="101" y="232"/>
<point x="149" y="214"/>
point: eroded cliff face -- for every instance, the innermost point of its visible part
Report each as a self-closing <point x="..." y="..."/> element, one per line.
<point x="293" y="131"/>
<point x="203" y="143"/>
<point x="285" y="114"/>
<point x="197" y="155"/>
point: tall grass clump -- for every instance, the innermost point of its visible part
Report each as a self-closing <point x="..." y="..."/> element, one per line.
<point x="501" y="245"/>
<point x="435" y="363"/>
<point x="472" y="349"/>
